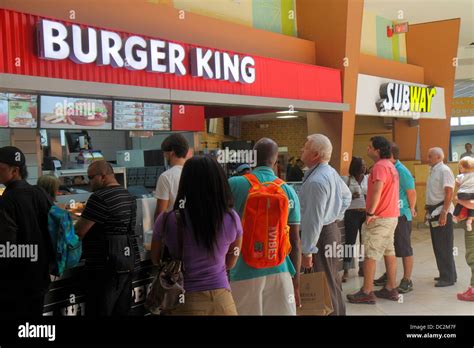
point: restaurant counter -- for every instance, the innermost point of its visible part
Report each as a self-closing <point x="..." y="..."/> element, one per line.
<point x="66" y="296"/>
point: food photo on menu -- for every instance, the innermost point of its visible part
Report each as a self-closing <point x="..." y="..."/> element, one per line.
<point x="3" y="110"/>
<point x="141" y="116"/>
<point x="75" y="113"/>
<point x="22" y="110"/>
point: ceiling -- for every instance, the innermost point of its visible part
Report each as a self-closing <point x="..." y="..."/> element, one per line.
<point x="463" y="88"/>
<point x="420" y="11"/>
<point x="272" y="116"/>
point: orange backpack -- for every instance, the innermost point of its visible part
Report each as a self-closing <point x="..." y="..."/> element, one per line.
<point x="266" y="238"/>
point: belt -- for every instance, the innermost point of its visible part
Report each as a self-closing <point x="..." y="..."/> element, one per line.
<point x="431" y="208"/>
<point x="332" y="223"/>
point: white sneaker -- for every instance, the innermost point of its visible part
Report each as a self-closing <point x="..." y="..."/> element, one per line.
<point x="469" y="227"/>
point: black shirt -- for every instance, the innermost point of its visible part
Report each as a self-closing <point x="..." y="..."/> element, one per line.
<point x="295" y="174"/>
<point x="113" y="210"/>
<point x="28" y="207"/>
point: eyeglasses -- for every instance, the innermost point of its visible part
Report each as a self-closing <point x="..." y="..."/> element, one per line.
<point x="90" y="177"/>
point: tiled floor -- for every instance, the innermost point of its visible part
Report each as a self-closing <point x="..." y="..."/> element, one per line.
<point x="425" y="299"/>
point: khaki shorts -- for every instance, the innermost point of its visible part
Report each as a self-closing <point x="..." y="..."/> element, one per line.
<point x="378" y="238"/>
<point x="212" y="302"/>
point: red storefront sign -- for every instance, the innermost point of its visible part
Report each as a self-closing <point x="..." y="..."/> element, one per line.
<point x="274" y="78"/>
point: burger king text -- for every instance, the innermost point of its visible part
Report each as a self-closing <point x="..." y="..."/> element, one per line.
<point x="57" y="41"/>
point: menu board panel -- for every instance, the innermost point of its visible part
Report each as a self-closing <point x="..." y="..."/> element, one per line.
<point x="142" y="116"/>
<point x="22" y="110"/>
<point x="75" y="113"/>
<point x="3" y="110"/>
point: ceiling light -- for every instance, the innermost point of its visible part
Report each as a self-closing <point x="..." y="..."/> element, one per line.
<point x="288" y="116"/>
<point x="287" y="112"/>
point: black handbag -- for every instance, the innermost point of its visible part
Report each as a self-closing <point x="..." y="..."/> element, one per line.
<point x="167" y="289"/>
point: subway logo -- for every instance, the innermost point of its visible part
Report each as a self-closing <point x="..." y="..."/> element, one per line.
<point x="402" y="97"/>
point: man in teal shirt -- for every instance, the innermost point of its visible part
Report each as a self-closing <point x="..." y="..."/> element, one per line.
<point x="402" y="238"/>
<point x="275" y="290"/>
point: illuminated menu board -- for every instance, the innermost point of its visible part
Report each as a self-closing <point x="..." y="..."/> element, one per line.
<point x="18" y="110"/>
<point x="75" y="113"/>
<point x="142" y="116"/>
<point x="3" y="110"/>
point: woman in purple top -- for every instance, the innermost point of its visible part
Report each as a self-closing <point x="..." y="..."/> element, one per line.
<point x="212" y="237"/>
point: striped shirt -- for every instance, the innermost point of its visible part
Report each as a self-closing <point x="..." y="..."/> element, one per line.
<point x="113" y="210"/>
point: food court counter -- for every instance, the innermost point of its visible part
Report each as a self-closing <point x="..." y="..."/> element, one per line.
<point x="66" y="296"/>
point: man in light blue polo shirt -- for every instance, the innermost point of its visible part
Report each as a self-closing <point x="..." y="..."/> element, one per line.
<point x="402" y="238"/>
<point x="275" y="290"/>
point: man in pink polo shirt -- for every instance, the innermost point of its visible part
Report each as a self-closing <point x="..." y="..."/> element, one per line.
<point x="382" y="211"/>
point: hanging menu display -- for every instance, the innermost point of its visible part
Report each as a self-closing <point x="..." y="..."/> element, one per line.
<point x="142" y="116"/>
<point x="75" y="113"/>
<point x="22" y="110"/>
<point x="3" y="110"/>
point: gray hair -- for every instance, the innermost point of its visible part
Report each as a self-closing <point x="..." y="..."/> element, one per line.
<point x="321" y="144"/>
<point x="437" y="151"/>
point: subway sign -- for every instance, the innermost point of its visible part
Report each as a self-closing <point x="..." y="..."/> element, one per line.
<point x="403" y="97"/>
<point x="386" y="97"/>
<point x="57" y="41"/>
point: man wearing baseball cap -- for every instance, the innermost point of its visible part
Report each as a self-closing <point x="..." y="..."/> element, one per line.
<point x="24" y="275"/>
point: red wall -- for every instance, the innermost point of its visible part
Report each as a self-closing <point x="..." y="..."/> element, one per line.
<point x="274" y="78"/>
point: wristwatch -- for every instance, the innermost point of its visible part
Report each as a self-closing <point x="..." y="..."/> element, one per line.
<point x="369" y="214"/>
<point x="308" y="255"/>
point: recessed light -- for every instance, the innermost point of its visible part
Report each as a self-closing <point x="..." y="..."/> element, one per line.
<point x="288" y="116"/>
<point x="287" y="112"/>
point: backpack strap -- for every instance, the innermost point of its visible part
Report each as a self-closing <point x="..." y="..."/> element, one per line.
<point x="252" y="179"/>
<point x="278" y="182"/>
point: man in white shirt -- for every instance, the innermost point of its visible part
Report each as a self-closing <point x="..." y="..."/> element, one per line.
<point x="175" y="149"/>
<point x="439" y="210"/>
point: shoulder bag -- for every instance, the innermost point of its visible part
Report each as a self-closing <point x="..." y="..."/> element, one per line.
<point x="167" y="289"/>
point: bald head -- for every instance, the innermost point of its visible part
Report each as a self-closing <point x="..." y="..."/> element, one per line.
<point x="101" y="168"/>
<point x="267" y="152"/>
<point x="101" y="174"/>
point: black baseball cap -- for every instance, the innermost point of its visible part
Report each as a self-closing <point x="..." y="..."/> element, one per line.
<point x="12" y="156"/>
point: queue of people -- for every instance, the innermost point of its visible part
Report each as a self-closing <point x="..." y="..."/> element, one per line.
<point x="226" y="236"/>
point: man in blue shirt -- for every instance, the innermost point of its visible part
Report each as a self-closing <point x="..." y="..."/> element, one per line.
<point x="402" y="238"/>
<point x="274" y="290"/>
<point x="324" y="198"/>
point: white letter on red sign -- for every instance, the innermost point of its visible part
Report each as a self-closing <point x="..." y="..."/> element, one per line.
<point x="156" y="57"/>
<point x="81" y="37"/>
<point x="175" y="59"/>
<point x="231" y="67"/>
<point x="110" y="44"/>
<point x="247" y="70"/>
<point x="200" y="63"/>
<point x="52" y="40"/>
<point x="130" y="44"/>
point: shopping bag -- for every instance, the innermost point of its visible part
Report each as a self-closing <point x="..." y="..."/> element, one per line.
<point x="314" y="295"/>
